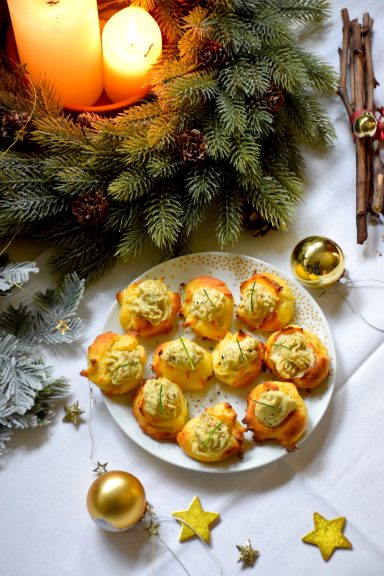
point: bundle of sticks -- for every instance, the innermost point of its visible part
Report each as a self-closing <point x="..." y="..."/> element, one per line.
<point x="356" y="89"/>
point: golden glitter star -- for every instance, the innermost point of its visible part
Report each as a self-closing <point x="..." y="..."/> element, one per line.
<point x="327" y="535"/>
<point x="100" y="468"/>
<point x="62" y="327"/>
<point x="248" y="554"/>
<point x="72" y="413"/>
<point x="197" y="519"/>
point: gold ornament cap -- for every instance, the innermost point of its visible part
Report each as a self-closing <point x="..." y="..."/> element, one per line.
<point x="116" y="501"/>
<point x="365" y="125"/>
<point x="317" y="262"/>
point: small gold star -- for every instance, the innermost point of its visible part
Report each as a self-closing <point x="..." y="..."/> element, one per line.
<point x="72" y="413"/>
<point x="327" y="535"/>
<point x="197" y="519"/>
<point x="100" y="468"/>
<point x="62" y="327"/>
<point x="248" y="554"/>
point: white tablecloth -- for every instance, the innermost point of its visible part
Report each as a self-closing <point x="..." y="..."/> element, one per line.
<point x="338" y="471"/>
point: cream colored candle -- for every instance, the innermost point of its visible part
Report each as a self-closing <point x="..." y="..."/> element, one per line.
<point x="131" y="43"/>
<point x="60" y="39"/>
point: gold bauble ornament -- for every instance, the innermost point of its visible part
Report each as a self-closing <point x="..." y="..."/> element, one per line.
<point x="317" y="262"/>
<point x="365" y="125"/>
<point x="116" y="501"/>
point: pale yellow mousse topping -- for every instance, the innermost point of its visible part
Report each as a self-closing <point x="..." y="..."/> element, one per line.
<point x="273" y="407"/>
<point x="124" y="365"/>
<point x="207" y="304"/>
<point x="153" y="303"/>
<point x="211" y="436"/>
<point x="291" y="355"/>
<point x="257" y="302"/>
<point x="183" y="353"/>
<point x="162" y="398"/>
<point x="238" y="353"/>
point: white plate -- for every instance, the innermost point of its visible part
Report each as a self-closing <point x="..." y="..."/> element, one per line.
<point x="232" y="269"/>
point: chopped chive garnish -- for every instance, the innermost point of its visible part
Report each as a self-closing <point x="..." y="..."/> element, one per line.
<point x="161" y="399"/>
<point x="241" y="352"/>
<point x="252" y="291"/>
<point x="207" y="439"/>
<point x="187" y="353"/>
<point x="282" y="346"/>
<point x="207" y="295"/>
<point x="263" y="403"/>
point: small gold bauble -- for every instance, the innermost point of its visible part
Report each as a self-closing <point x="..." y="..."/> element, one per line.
<point x="365" y="125"/>
<point x="116" y="501"/>
<point x="317" y="262"/>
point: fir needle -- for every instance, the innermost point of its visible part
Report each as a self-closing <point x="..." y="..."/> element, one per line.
<point x="187" y="353"/>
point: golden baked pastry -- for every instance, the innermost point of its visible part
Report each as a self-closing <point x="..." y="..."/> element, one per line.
<point x="214" y="435"/>
<point x="208" y="307"/>
<point x="267" y="302"/>
<point x="297" y="355"/>
<point x="237" y="359"/>
<point x="148" y="307"/>
<point x="183" y="362"/>
<point x="115" y="363"/>
<point x="275" y="410"/>
<point x="160" y="408"/>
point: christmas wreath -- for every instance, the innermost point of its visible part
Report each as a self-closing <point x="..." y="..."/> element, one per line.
<point x="232" y="101"/>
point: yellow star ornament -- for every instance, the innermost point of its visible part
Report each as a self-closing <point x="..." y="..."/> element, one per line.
<point x="72" y="413"/>
<point x="328" y="535"/>
<point x="197" y="521"/>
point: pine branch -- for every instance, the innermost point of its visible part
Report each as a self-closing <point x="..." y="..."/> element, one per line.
<point x="273" y="204"/>
<point x="308" y="121"/>
<point x="304" y="11"/>
<point x="245" y="157"/>
<point x="204" y="183"/>
<point x="229" y="218"/>
<point x="132" y="242"/>
<point x="15" y="274"/>
<point x="232" y="114"/>
<point x="91" y="257"/>
<point x="163" y="218"/>
<point x="130" y="185"/>
<point x="39" y="321"/>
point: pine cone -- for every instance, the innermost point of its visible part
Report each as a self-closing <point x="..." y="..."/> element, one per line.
<point x="253" y="222"/>
<point x="274" y="98"/>
<point x="212" y="53"/>
<point x="13" y="124"/>
<point x="86" y="119"/>
<point x="193" y="146"/>
<point x="91" y="209"/>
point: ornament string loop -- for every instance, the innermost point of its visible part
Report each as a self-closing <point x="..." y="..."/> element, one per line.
<point x="160" y="519"/>
<point x="345" y="280"/>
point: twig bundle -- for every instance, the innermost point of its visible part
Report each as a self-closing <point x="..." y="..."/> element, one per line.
<point x="356" y="89"/>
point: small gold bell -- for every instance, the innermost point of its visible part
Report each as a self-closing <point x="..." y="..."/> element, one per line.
<point x="317" y="262"/>
<point x="365" y="125"/>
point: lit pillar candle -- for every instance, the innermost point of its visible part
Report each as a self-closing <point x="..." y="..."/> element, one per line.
<point x="131" y="43"/>
<point x="60" y="40"/>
